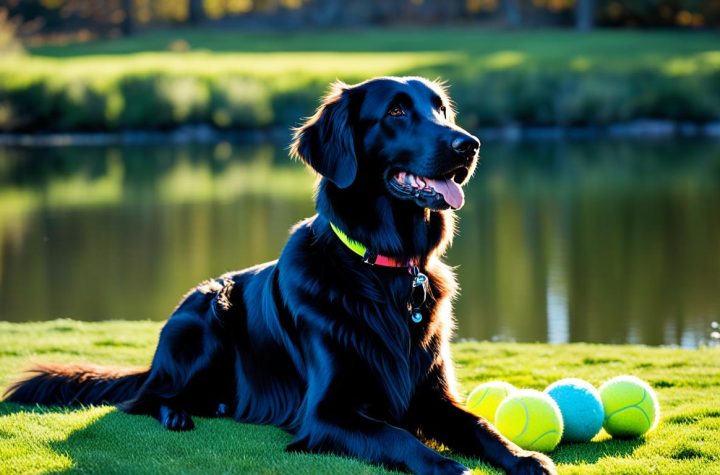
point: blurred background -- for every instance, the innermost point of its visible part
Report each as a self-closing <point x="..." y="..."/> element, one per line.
<point x="143" y="148"/>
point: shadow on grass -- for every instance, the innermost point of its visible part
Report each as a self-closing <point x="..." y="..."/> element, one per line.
<point x="574" y="454"/>
<point x="102" y="439"/>
<point x="592" y="452"/>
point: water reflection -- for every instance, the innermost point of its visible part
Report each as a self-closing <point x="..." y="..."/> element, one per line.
<point x="602" y="242"/>
<point x="593" y="242"/>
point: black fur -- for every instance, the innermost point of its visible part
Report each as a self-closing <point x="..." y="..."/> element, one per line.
<point x="318" y="342"/>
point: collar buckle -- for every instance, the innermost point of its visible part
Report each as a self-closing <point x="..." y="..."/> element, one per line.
<point x="369" y="257"/>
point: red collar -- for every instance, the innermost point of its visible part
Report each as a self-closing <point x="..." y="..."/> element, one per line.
<point x="370" y="257"/>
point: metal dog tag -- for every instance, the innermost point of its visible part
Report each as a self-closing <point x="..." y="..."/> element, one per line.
<point x="419" y="279"/>
<point x="417" y="299"/>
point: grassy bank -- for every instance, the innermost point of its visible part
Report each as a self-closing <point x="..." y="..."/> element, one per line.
<point x="101" y="440"/>
<point x="243" y="80"/>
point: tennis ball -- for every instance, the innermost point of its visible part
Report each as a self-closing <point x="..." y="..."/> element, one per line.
<point x="486" y="397"/>
<point x="531" y="419"/>
<point x="581" y="408"/>
<point x="631" y="406"/>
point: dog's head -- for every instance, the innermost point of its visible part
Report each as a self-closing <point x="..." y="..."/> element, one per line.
<point x="389" y="136"/>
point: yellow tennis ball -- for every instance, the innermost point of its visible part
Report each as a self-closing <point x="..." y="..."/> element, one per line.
<point x="631" y="407"/>
<point x="486" y="397"/>
<point x="531" y="419"/>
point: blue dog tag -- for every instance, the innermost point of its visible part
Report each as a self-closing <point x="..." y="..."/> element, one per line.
<point x="417" y="316"/>
<point x="417" y="299"/>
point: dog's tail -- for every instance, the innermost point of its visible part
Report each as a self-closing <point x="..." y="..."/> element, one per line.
<point x="65" y="385"/>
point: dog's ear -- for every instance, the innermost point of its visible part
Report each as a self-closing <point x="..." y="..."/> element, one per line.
<point x="325" y="141"/>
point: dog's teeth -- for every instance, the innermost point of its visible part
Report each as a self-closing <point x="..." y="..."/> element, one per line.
<point x="420" y="182"/>
<point x="413" y="181"/>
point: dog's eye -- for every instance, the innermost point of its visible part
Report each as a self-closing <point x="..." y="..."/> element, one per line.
<point x="443" y="111"/>
<point x="396" y="111"/>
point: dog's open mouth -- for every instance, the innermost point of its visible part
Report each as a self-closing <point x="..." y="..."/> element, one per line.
<point x="436" y="193"/>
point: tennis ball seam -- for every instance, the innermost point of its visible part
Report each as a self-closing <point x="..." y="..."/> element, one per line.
<point x="487" y="390"/>
<point x="527" y="418"/>
<point x="636" y="406"/>
<point x="531" y="445"/>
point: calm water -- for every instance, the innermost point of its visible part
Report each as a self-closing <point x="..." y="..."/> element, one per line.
<point x="590" y="241"/>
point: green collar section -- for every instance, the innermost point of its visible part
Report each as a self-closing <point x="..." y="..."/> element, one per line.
<point x="369" y="257"/>
<point x="354" y="246"/>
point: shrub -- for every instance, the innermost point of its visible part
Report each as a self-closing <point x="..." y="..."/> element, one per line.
<point x="240" y="102"/>
<point x="9" y="43"/>
<point x="162" y="100"/>
<point x="39" y="94"/>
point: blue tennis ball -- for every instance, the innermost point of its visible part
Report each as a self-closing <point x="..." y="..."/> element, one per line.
<point x="580" y="406"/>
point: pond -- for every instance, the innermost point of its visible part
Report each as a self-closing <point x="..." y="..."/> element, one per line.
<point x="598" y="241"/>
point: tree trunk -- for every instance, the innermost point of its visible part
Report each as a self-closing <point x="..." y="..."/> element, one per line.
<point x="196" y="14"/>
<point x="513" y="14"/>
<point x="585" y="15"/>
<point x="326" y="13"/>
<point x="127" y="25"/>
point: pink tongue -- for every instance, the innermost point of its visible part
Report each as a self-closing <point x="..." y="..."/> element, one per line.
<point x="451" y="191"/>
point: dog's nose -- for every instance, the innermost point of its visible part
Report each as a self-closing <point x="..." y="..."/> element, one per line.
<point x="467" y="146"/>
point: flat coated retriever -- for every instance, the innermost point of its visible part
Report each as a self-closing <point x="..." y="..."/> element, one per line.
<point x="344" y="340"/>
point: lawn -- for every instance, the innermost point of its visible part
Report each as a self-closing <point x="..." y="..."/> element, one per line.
<point x="101" y="440"/>
<point x="259" y="80"/>
<point x="542" y="46"/>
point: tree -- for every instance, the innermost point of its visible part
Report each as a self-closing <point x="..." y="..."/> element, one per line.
<point x="513" y="14"/>
<point x="196" y="13"/>
<point x="585" y="15"/>
<point x="127" y="25"/>
<point x="323" y="13"/>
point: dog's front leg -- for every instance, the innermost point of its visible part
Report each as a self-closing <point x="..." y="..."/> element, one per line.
<point x="333" y="419"/>
<point x="435" y="413"/>
<point x="358" y="435"/>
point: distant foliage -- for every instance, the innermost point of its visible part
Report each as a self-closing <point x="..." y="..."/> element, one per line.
<point x="148" y="101"/>
<point x="597" y="98"/>
<point x="659" y="13"/>
<point x="9" y="42"/>
<point x="46" y="99"/>
<point x="88" y="18"/>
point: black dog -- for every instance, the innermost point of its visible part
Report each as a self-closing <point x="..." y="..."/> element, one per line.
<point x="344" y="341"/>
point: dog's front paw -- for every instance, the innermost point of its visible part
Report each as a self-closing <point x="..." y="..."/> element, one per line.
<point x="173" y="419"/>
<point x="443" y="466"/>
<point x="533" y="463"/>
<point x="222" y="410"/>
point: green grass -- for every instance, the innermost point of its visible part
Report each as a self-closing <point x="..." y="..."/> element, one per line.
<point x="254" y="80"/>
<point x="102" y="440"/>
<point x="623" y="47"/>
